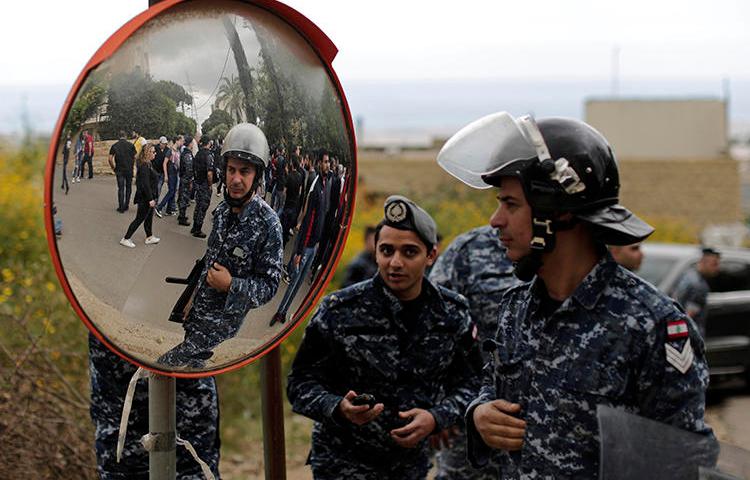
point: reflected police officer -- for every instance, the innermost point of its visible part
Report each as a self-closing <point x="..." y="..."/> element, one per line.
<point x="397" y="337"/>
<point x="583" y="331"/>
<point x="203" y="178"/>
<point x="186" y="180"/>
<point x="244" y="256"/>
<point x="475" y="265"/>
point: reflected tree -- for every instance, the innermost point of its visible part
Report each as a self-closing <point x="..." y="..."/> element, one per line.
<point x="230" y="98"/>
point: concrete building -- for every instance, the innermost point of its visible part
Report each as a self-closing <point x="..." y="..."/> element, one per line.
<point x="674" y="159"/>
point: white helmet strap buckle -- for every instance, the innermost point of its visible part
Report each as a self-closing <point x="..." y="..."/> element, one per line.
<point x="563" y="172"/>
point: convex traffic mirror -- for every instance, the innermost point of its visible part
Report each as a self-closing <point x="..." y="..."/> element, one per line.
<point x="184" y="245"/>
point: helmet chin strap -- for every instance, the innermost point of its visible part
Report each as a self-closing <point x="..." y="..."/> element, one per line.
<point x="542" y="241"/>
<point x="543" y="227"/>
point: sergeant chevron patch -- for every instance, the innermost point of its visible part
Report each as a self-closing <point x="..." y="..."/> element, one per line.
<point x="680" y="360"/>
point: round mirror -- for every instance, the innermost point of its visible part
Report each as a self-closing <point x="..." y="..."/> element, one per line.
<point x="202" y="184"/>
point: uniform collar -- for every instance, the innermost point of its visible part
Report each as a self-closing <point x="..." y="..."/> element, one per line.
<point x="393" y="304"/>
<point x="588" y="292"/>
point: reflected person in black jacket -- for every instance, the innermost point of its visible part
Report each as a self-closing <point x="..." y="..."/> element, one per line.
<point x="145" y="197"/>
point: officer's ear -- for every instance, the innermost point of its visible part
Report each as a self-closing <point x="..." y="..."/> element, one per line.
<point x="432" y="255"/>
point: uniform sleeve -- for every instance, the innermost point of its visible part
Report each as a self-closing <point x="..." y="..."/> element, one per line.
<point x="260" y="286"/>
<point x="308" y="383"/>
<point x="443" y="272"/>
<point x="477" y="451"/>
<point x="665" y="393"/>
<point x="463" y="377"/>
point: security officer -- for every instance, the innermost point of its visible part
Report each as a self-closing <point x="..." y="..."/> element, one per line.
<point x="203" y="171"/>
<point x="244" y="256"/>
<point x="476" y="266"/>
<point x="186" y="181"/>
<point x="397" y="337"/>
<point x="197" y="407"/>
<point x="584" y="330"/>
<point x="692" y="288"/>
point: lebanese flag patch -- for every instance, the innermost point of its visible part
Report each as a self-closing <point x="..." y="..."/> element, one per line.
<point x="677" y="329"/>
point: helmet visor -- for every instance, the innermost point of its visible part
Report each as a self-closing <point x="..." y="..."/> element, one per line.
<point x="485" y="146"/>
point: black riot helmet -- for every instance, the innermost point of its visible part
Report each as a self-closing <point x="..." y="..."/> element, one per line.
<point x="564" y="166"/>
<point x="247" y="142"/>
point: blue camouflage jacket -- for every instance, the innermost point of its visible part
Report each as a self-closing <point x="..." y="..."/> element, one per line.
<point x="356" y="341"/>
<point x="606" y="344"/>
<point x="251" y="250"/>
<point x="476" y="266"/>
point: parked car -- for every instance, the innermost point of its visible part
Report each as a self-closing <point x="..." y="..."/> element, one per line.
<point x="728" y="315"/>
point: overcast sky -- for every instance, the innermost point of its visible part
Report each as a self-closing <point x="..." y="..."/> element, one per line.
<point x="430" y="39"/>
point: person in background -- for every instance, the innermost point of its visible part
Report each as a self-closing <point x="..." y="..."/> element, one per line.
<point x="186" y="180"/>
<point x="121" y="158"/>
<point x="629" y="256"/>
<point x="79" y="159"/>
<point x="692" y="288"/>
<point x="145" y="198"/>
<point x="162" y="151"/>
<point x="66" y="155"/>
<point x="363" y="267"/>
<point x="88" y="154"/>
<point x="171" y="173"/>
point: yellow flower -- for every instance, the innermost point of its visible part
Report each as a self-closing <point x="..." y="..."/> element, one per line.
<point x="55" y="355"/>
<point x="27" y="282"/>
<point x="7" y="291"/>
<point x="8" y="275"/>
<point x="28" y="299"/>
<point x="50" y="286"/>
<point x="48" y="327"/>
<point x="2" y="299"/>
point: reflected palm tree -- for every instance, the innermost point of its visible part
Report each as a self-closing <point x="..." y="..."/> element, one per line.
<point x="231" y="98"/>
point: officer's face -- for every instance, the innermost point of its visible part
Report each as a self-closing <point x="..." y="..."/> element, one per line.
<point x="513" y="218"/>
<point x="402" y="259"/>
<point x="240" y="177"/>
<point x="629" y="256"/>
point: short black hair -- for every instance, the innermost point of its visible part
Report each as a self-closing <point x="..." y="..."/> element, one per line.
<point x="205" y="139"/>
<point x="710" y="251"/>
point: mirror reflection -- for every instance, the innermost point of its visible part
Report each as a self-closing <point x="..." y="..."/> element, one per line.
<point x="207" y="174"/>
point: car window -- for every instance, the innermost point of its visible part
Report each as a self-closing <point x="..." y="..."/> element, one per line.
<point x="654" y="269"/>
<point x="733" y="275"/>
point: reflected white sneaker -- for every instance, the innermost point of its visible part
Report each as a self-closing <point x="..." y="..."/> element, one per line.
<point x="152" y="239"/>
<point x="126" y="242"/>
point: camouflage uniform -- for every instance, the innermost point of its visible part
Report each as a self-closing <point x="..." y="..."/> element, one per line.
<point x="358" y="340"/>
<point x="692" y="293"/>
<point x="203" y="164"/>
<point x="250" y="248"/>
<point x="197" y="419"/>
<point x="186" y="181"/>
<point x="604" y="345"/>
<point x="474" y="265"/>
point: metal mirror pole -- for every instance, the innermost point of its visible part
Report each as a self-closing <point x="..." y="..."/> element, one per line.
<point x="272" y="406"/>
<point x="162" y="456"/>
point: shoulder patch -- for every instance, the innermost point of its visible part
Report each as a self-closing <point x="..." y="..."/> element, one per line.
<point x="681" y="360"/>
<point x="677" y="329"/>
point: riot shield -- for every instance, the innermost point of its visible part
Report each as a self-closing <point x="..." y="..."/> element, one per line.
<point x="634" y="447"/>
